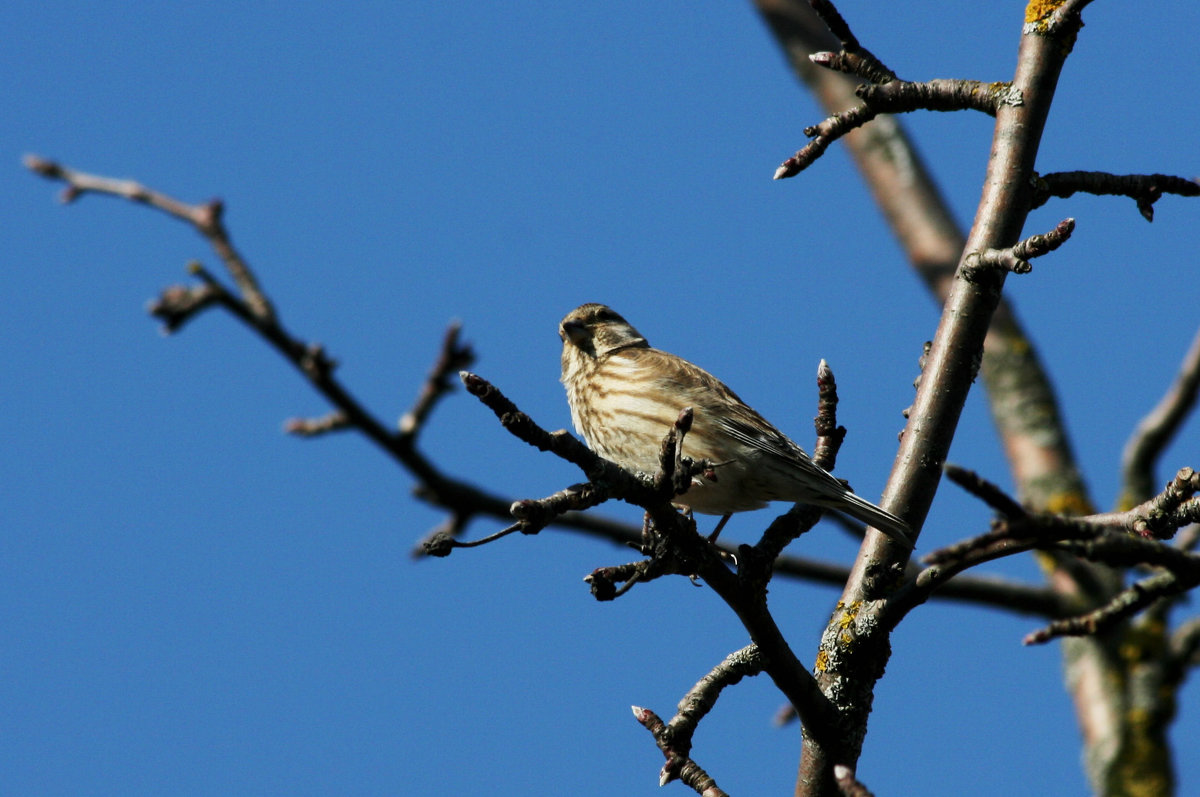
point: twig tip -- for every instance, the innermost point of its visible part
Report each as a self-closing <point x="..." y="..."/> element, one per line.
<point x="38" y="165"/>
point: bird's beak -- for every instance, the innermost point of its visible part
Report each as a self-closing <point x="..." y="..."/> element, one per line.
<point x="575" y="331"/>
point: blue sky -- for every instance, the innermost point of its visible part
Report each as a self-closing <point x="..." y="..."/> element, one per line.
<point x="195" y="603"/>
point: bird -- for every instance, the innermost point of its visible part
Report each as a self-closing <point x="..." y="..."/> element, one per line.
<point x="625" y="395"/>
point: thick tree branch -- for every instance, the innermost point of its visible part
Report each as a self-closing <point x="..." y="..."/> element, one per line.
<point x="856" y="647"/>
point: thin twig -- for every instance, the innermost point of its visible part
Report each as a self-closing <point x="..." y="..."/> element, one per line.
<point x="176" y="305"/>
<point x="205" y="218"/>
<point x="848" y="783"/>
<point x="1144" y="189"/>
<point x="895" y="96"/>
<point x="702" y="698"/>
<point x="1155" y="431"/>
<point x="1016" y="258"/>
<point x="1126" y="603"/>
<point x="677" y="768"/>
<point x="313" y="427"/>
<point x="452" y="358"/>
<point x="853" y="58"/>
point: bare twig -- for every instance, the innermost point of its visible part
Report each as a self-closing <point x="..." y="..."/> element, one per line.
<point x="829" y="434"/>
<point x="205" y="218"/>
<point x="1144" y="189"/>
<point x="603" y="580"/>
<point x="1157" y="518"/>
<point x="902" y="96"/>
<point x="886" y="92"/>
<point x="1097" y="538"/>
<point x="1016" y="258"/>
<point x="848" y="784"/>
<point x="1158" y="428"/>
<point x="702" y="697"/>
<point x="984" y="490"/>
<point x="452" y="358"/>
<point x="313" y="427"/>
<point x="1164" y="514"/>
<point x="441" y="543"/>
<point x="1125" y="604"/>
<point x="676" y="768"/>
<point x="801" y="518"/>
<point x="896" y="96"/>
<point x="179" y="304"/>
<point x="853" y="58"/>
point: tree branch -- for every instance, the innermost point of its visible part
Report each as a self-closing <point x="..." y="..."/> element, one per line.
<point x="1016" y="258"/>
<point x="896" y="96"/>
<point x="1158" y="428"/>
<point x="674" y="546"/>
<point x="855" y="643"/>
<point x="1124" y="605"/>
<point x="675" y="738"/>
<point x="1145" y="189"/>
<point x="206" y="219"/>
<point x="683" y="769"/>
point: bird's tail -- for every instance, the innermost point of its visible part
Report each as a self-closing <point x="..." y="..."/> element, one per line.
<point x="864" y="510"/>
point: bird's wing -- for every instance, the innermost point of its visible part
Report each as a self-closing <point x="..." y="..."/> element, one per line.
<point x="725" y="409"/>
<point x="752" y="429"/>
<point x="692" y="386"/>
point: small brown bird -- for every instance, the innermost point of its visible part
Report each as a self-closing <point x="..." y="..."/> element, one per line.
<point x="625" y="395"/>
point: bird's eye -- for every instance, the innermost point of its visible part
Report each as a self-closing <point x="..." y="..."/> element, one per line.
<point x="605" y="315"/>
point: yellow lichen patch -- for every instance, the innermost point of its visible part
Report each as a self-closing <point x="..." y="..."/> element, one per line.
<point x="1018" y="344"/>
<point x="1038" y="10"/>
<point x="1004" y="93"/>
<point x="849" y="613"/>
<point x="1046" y="562"/>
<point x="1143" y="767"/>
<point x="822" y="662"/>
<point x="1145" y="641"/>
<point x="1068" y="503"/>
<point x="1128" y="500"/>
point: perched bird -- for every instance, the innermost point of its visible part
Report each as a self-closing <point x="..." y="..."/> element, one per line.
<point x="625" y="395"/>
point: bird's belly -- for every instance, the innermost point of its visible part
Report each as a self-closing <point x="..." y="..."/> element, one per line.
<point x="735" y="489"/>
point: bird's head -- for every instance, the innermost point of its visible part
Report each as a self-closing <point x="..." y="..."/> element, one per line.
<point x="595" y="330"/>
